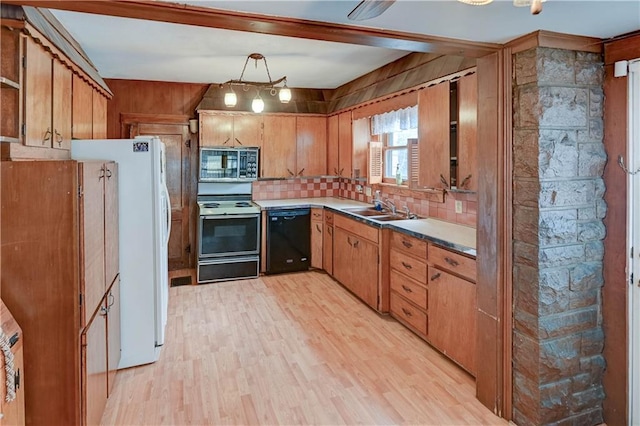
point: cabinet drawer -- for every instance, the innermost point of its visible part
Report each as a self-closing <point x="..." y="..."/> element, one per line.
<point x="408" y="313"/>
<point x="408" y="265"/>
<point x="409" y="244"/>
<point x="365" y="231"/>
<point x="328" y="217"/>
<point x="316" y="214"/>
<point x="454" y="262"/>
<point x="409" y="289"/>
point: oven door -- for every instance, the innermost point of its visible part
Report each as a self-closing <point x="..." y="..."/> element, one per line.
<point x="228" y="235"/>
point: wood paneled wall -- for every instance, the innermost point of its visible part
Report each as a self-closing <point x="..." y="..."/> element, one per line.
<point x="614" y="292"/>
<point x="150" y="97"/>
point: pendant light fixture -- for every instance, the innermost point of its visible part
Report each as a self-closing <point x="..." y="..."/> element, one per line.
<point x="476" y="2"/>
<point x="257" y="105"/>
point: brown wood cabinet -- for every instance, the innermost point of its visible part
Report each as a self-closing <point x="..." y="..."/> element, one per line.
<point x="10" y="87"/>
<point x="356" y="258"/>
<point x="333" y="136"/>
<point x="82" y="105"/>
<point x="467" y="167"/>
<point x="113" y="334"/>
<point x="433" y="135"/>
<point x="453" y="305"/>
<point x="361" y="136"/>
<point x="66" y="352"/>
<point x="327" y="243"/>
<point x="317" y="234"/>
<point x="311" y="145"/>
<point x="345" y="145"/>
<point x="278" y="156"/>
<point x="223" y="129"/>
<point x="99" y="116"/>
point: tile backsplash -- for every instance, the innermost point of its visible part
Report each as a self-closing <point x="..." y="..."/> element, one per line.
<point x="419" y="202"/>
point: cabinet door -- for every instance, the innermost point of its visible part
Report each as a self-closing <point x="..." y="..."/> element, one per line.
<point x="327" y="249"/>
<point x="99" y="120"/>
<point x="361" y="138"/>
<point x="345" y="147"/>
<point x="279" y="150"/>
<point x="311" y="146"/>
<point x="434" y="136"/>
<point x="365" y="266"/>
<point x="342" y="252"/>
<point x="111" y="232"/>
<point x="216" y="130"/>
<point x="91" y="208"/>
<point x="467" y="131"/>
<point x="82" y="109"/>
<point x="247" y="130"/>
<point x="452" y="317"/>
<point x="332" y="145"/>
<point x="316" y="243"/>
<point x="62" y="98"/>
<point x="113" y="334"/>
<point x="94" y="362"/>
<point x="37" y="98"/>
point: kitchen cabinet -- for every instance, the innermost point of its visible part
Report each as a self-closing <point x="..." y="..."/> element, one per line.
<point x="221" y="129"/>
<point x="361" y="136"/>
<point x="467" y="167"/>
<point x="113" y="334"/>
<point x="327" y="243"/>
<point x="356" y="258"/>
<point x="311" y="145"/>
<point x="345" y="145"/>
<point x="279" y="146"/>
<point x="408" y="282"/>
<point x="10" y="88"/>
<point x="317" y="233"/>
<point x="99" y="116"/>
<point x="82" y="106"/>
<point x="12" y="412"/>
<point x="433" y="135"/>
<point x="68" y="281"/>
<point x="452" y="295"/>
<point x="333" y="135"/>
<point x="47" y="83"/>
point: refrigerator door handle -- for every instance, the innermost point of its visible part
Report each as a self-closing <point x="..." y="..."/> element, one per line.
<point x="168" y="201"/>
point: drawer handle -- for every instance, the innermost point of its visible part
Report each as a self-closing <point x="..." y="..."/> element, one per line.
<point x="406" y="312"/>
<point x="435" y="276"/>
<point x="349" y="241"/>
<point x="407" y="289"/>
<point x="225" y="142"/>
<point x="238" y="140"/>
<point x="451" y="262"/>
<point x="407" y="244"/>
<point x="406" y="265"/>
<point x="318" y="228"/>
<point x="329" y="231"/>
<point x="355" y="243"/>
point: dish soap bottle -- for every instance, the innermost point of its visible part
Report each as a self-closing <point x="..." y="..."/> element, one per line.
<point x="398" y="175"/>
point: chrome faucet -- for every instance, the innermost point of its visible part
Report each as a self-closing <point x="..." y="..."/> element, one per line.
<point x="390" y="205"/>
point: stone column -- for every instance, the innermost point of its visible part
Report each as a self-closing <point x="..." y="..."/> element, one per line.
<point x="558" y="159"/>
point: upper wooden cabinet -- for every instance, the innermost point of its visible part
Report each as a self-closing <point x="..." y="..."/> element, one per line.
<point x="99" y="116"/>
<point x="433" y="134"/>
<point x="278" y="158"/>
<point x="311" y="145"/>
<point x="333" y="135"/>
<point x="61" y="106"/>
<point x="345" y="145"/>
<point x="221" y="129"/>
<point x="467" y="132"/>
<point x="361" y="131"/>
<point x="82" y="109"/>
<point x="447" y="128"/>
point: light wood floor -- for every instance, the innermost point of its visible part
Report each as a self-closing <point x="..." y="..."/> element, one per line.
<point x="293" y="349"/>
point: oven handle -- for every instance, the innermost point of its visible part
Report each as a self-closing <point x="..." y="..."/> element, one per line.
<point x="230" y="216"/>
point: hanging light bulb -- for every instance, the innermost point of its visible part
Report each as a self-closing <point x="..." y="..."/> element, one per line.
<point x="230" y="98"/>
<point x="285" y="94"/>
<point x="257" y="105"/>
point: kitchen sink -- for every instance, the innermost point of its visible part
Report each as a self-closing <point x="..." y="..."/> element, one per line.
<point x="388" y="218"/>
<point x="367" y="211"/>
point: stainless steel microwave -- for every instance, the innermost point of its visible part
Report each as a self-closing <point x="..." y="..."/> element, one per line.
<point x="226" y="164"/>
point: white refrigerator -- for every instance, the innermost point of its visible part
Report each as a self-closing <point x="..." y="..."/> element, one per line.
<point x="145" y="224"/>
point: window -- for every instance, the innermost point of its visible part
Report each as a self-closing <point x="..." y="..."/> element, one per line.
<point x="396" y="153"/>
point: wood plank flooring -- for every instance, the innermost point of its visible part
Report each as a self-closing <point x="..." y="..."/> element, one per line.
<point x="294" y="349"/>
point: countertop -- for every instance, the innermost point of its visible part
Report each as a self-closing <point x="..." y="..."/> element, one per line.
<point x="457" y="237"/>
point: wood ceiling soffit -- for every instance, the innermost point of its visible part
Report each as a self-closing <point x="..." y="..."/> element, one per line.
<point x="265" y="24"/>
<point x="621" y="48"/>
<point x="555" y="41"/>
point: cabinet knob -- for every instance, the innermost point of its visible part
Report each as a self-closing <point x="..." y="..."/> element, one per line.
<point x="451" y="262"/>
<point x="407" y="244"/>
<point x="435" y="276"/>
<point x="47" y="136"/>
<point x="406" y="312"/>
<point x="58" y="137"/>
<point x="406" y="265"/>
<point x="407" y="289"/>
<point x="318" y="228"/>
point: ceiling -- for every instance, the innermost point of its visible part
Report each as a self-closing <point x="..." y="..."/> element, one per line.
<point x="138" y="49"/>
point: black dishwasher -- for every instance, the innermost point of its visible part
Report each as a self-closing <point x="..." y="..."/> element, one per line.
<point x="288" y="240"/>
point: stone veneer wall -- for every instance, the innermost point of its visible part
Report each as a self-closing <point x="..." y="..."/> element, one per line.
<point x="558" y="160"/>
<point x="417" y="201"/>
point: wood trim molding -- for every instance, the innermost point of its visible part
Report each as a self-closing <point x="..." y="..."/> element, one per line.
<point x="556" y="41"/>
<point x="266" y="24"/>
<point x="622" y="48"/>
<point x="130" y="118"/>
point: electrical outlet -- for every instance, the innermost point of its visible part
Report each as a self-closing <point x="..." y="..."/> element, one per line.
<point x="359" y="189"/>
<point x="458" y="206"/>
<point x="367" y="191"/>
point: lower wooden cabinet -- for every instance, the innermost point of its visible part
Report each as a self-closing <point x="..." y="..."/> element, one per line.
<point x="356" y="259"/>
<point x="94" y="362"/>
<point x="327" y="243"/>
<point x="113" y="333"/>
<point x="317" y="237"/>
